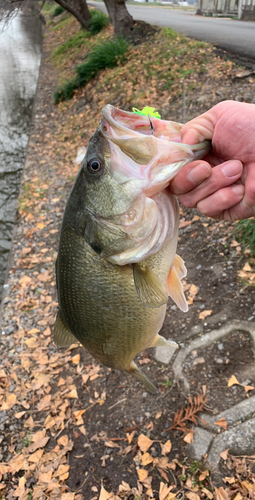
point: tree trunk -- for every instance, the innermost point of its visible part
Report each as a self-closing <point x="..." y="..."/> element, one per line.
<point x="78" y="9"/>
<point x="120" y="18"/>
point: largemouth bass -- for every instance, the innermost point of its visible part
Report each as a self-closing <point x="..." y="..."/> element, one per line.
<point x="117" y="261"/>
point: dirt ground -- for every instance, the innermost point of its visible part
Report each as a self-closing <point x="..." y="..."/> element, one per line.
<point x="69" y="428"/>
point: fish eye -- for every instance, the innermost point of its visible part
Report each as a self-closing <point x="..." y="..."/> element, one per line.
<point x="94" y="165"/>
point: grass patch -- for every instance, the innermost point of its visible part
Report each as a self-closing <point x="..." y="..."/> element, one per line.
<point x="245" y="233"/>
<point x="98" y="21"/>
<point x="58" y="10"/>
<point x="105" y="55"/>
<point x="74" y="42"/>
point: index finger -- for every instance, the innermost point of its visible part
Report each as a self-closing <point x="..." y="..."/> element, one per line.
<point x="190" y="176"/>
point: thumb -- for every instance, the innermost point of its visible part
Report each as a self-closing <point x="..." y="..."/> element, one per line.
<point x="198" y="129"/>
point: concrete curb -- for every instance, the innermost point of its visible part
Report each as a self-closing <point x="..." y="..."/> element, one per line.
<point x="206" y="340"/>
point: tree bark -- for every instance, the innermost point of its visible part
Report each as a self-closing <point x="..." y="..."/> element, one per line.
<point x="80" y="11"/>
<point x="120" y="18"/>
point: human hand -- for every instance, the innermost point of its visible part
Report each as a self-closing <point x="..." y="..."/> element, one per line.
<point x="222" y="185"/>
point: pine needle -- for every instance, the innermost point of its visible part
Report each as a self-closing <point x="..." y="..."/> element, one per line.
<point x="188" y="414"/>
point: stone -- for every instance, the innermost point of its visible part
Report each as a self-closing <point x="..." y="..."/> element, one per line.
<point x="240" y="441"/>
<point x="235" y="415"/>
<point x="164" y="354"/>
<point x="201" y="444"/>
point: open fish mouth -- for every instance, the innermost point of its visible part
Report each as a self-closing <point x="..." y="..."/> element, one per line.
<point x="147" y="148"/>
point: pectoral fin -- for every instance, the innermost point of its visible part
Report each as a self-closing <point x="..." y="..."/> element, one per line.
<point x="174" y="284"/>
<point x="161" y="341"/>
<point x="62" y="335"/>
<point x="149" y="288"/>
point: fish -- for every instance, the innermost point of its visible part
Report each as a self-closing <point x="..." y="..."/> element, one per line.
<point x="117" y="262"/>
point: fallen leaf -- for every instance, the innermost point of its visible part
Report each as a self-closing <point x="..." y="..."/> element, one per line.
<point x="142" y="474"/>
<point x="248" y="388"/>
<point x="158" y="415"/>
<point x="238" y="496"/>
<point x="222" y="423"/>
<point x="39" y="444"/>
<point x="191" y="495"/>
<point x="166" y="448"/>
<point x="76" y="359"/>
<point x="144" y="443"/>
<point x="221" y="494"/>
<point x="189" y="437"/>
<point x="224" y="454"/>
<point x="208" y="493"/>
<point x="163" y="491"/>
<point x="204" y="314"/>
<point x="146" y="459"/>
<point x="9" y="403"/>
<point x="72" y="394"/>
<point x="230" y="480"/>
<point x="63" y="440"/>
<point x="233" y="381"/>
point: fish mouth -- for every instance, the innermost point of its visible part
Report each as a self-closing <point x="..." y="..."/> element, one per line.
<point x="147" y="148"/>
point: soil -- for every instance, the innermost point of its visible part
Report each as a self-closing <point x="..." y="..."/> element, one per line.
<point x="98" y="444"/>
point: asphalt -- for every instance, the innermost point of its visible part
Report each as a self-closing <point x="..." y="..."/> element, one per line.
<point x="232" y="35"/>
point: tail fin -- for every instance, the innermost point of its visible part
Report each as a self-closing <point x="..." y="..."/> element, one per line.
<point x="139" y="375"/>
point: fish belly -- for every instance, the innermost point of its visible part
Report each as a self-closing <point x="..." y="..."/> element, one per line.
<point x="99" y="303"/>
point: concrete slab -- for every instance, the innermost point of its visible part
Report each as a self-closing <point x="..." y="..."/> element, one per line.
<point x="234" y="416"/>
<point x="240" y="440"/>
<point x="206" y="340"/>
<point x="164" y="354"/>
<point x="201" y="444"/>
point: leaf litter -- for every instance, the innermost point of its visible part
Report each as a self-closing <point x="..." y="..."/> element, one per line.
<point x="50" y="398"/>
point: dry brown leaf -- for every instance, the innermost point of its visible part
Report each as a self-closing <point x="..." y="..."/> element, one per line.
<point x="9" y="403"/>
<point x="207" y="493"/>
<point x="224" y="454"/>
<point x="142" y="474"/>
<point x="144" y="443"/>
<point x="222" y="423"/>
<point x="204" y="314"/>
<point x="238" y="496"/>
<point x="191" y="495"/>
<point x="189" y="437"/>
<point x="104" y="495"/>
<point x="163" y="491"/>
<point x="63" y="440"/>
<point x="158" y="415"/>
<point x="76" y="359"/>
<point x="130" y="436"/>
<point x="39" y="444"/>
<point x="146" y="459"/>
<point x="248" y="388"/>
<point x="221" y="494"/>
<point x="20" y="414"/>
<point x="38" y="435"/>
<point x="233" y="381"/>
<point x="72" y="394"/>
<point x="35" y="457"/>
<point x="166" y="448"/>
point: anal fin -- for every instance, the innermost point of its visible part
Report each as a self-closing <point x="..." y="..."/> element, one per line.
<point x="139" y="375"/>
<point x="62" y="335"/>
<point x="149" y="288"/>
<point x="161" y="341"/>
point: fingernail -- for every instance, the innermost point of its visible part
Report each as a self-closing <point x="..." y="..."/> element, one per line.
<point x="238" y="189"/>
<point x="199" y="173"/>
<point x="232" y="168"/>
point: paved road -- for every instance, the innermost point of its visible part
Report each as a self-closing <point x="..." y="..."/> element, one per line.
<point x="232" y="35"/>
